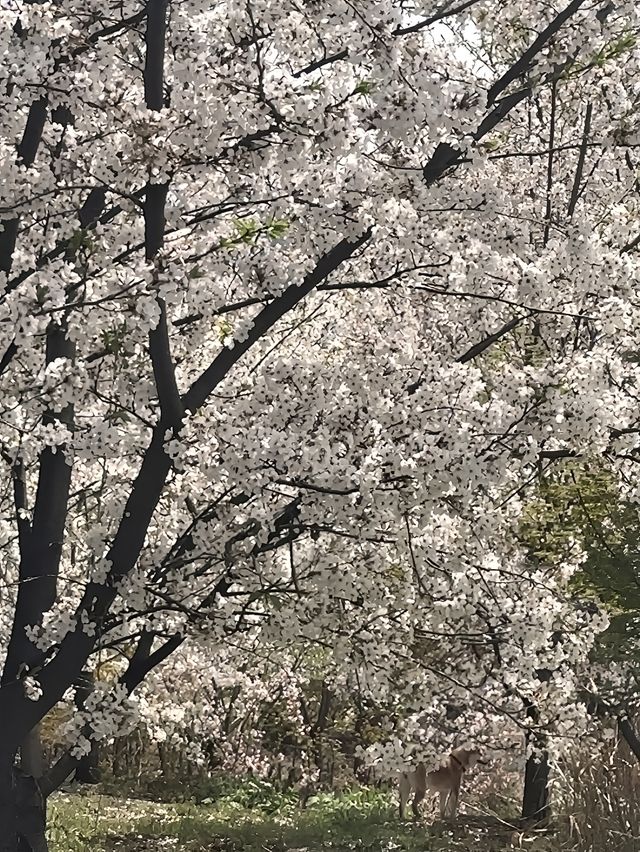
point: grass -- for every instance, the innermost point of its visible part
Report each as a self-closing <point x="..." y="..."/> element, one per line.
<point x="253" y="817"/>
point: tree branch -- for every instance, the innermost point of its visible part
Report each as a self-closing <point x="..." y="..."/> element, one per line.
<point x="27" y="150"/>
<point x="575" y="191"/>
<point x="197" y="394"/>
<point x="489" y="340"/>
<point x="527" y="60"/>
<point x="56" y="674"/>
<point x="447" y="12"/>
<point x="32" y="136"/>
<point x="445" y="155"/>
<point x="154" y="219"/>
<point x="552" y="139"/>
<point x="141" y="663"/>
<point x="597" y="707"/>
<point x="41" y="546"/>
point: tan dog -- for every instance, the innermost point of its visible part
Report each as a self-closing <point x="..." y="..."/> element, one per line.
<point x="445" y="781"/>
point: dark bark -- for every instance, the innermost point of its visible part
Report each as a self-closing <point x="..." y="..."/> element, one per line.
<point x="27" y="150"/>
<point x="489" y="340"/>
<point x="154" y="218"/>
<point x="535" y="798"/>
<point x="40" y="551"/>
<point x="22" y="809"/>
<point x="447" y="12"/>
<point x="41" y="544"/>
<point x="155" y="34"/>
<point x="528" y="58"/>
<point x="8" y="804"/>
<point x="200" y="390"/>
<point x="445" y="156"/>
<point x="32" y="753"/>
<point x="18" y="715"/>
<point x="142" y="662"/>
<point x="597" y="707"/>
<point x="575" y="191"/>
<point x="87" y="766"/>
<point x="145" y="494"/>
<point x="630" y="736"/>
<point x="31" y="814"/>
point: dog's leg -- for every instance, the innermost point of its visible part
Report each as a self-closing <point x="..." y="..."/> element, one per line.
<point x="419" y="796"/>
<point x="453" y="804"/>
<point x="405" y="789"/>
<point x="444" y="798"/>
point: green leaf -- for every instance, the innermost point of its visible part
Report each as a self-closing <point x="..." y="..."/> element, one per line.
<point x="364" y="87"/>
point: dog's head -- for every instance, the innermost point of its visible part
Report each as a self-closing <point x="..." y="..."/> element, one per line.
<point x="467" y="757"/>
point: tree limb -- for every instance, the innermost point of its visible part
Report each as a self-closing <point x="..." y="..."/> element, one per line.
<point x="197" y="394"/>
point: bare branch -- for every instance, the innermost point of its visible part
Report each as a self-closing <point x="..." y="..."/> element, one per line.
<point x="446" y="12"/>
<point x="527" y="60"/>
<point x="489" y="340"/>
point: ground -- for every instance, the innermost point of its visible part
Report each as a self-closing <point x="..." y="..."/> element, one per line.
<point x="251" y="819"/>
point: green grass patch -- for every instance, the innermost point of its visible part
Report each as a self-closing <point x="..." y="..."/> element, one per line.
<point x="253" y="817"/>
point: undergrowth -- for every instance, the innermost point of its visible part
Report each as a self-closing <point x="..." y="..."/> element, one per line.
<point x="255" y="817"/>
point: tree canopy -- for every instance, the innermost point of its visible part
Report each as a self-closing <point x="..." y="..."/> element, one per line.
<point x="302" y="305"/>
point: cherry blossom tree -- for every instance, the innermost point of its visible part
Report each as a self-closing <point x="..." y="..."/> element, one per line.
<point x="298" y="301"/>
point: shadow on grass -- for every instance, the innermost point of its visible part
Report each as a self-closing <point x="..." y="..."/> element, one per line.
<point x="248" y="830"/>
<point x="310" y="831"/>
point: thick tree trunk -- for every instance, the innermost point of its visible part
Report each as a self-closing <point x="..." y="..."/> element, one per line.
<point x="8" y="805"/>
<point x="32" y="814"/>
<point x="22" y="810"/>
<point x="535" y="799"/>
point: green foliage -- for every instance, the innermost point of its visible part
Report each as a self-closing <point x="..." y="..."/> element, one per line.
<point x="492" y="144"/>
<point x="42" y="291"/>
<point x="571" y="502"/>
<point x="251" y="816"/>
<point x="113" y="338"/>
<point x="611" y="52"/>
<point x="255" y="794"/>
<point x="118" y="416"/>
<point x="247" y="231"/>
<point x="578" y="505"/>
<point x="80" y="239"/>
<point x="364" y="87"/>
<point x="277" y="228"/>
<point x="224" y="329"/>
<point x="615" y="49"/>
